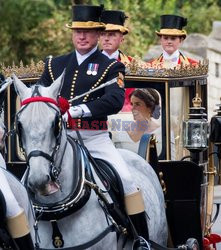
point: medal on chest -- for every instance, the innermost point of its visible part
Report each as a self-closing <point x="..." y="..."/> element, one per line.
<point x="92" y="69"/>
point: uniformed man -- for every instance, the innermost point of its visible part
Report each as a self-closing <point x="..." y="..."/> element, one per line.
<point x="112" y="38"/>
<point x="87" y="68"/>
<point x="171" y="36"/>
<point x="113" y="35"/>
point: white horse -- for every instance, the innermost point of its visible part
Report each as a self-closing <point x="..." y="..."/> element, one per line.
<point x="51" y="161"/>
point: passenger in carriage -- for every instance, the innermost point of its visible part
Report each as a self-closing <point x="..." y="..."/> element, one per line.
<point x="146" y="108"/>
<point x="16" y="221"/>
<point x="112" y="38"/>
<point x="86" y="68"/>
<point x="171" y="36"/>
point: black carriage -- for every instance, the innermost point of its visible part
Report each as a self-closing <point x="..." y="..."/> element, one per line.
<point x="186" y="176"/>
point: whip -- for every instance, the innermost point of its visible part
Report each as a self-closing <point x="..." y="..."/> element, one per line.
<point x="116" y="79"/>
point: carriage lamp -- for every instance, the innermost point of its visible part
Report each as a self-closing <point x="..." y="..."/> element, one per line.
<point x="195" y="129"/>
<point x="215" y="126"/>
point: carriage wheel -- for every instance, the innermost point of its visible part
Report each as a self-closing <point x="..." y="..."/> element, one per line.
<point x="192" y="244"/>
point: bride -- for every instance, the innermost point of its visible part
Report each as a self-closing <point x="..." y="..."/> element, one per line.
<point x="145" y="107"/>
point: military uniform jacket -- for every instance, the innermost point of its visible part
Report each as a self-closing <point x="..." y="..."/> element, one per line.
<point x="101" y="103"/>
<point x="182" y="59"/>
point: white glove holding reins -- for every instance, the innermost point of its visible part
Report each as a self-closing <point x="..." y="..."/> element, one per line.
<point x="74" y="111"/>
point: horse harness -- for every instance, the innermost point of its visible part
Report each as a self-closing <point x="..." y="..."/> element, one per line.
<point x="36" y="97"/>
<point x="84" y="183"/>
<point x="81" y="192"/>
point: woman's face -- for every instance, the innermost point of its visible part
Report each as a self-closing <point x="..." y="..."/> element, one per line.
<point x="139" y="109"/>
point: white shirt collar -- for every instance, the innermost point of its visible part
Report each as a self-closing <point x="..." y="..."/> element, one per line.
<point x="174" y="56"/>
<point x="114" y="55"/>
<point x="81" y="58"/>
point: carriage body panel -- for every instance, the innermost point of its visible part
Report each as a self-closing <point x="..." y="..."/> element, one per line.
<point x="186" y="198"/>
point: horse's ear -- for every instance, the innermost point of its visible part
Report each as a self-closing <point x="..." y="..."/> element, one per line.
<point x="5" y="83"/>
<point x="57" y="85"/>
<point x="20" y="88"/>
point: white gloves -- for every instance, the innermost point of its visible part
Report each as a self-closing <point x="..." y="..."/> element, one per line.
<point x="75" y="112"/>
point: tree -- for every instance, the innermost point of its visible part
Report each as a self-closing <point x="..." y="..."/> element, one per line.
<point x="18" y="19"/>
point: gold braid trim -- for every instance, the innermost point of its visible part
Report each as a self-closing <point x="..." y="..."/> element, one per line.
<point x="50" y="68"/>
<point x="157" y="60"/>
<point x="99" y="80"/>
<point x="184" y="60"/>
<point x="123" y="58"/>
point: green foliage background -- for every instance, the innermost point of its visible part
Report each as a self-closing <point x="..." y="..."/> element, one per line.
<point x="34" y="29"/>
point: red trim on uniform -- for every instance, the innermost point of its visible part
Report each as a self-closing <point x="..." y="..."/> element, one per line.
<point x="128" y="91"/>
<point x="191" y="61"/>
<point x="39" y="99"/>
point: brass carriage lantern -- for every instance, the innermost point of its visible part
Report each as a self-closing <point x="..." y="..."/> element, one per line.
<point x="195" y="129"/>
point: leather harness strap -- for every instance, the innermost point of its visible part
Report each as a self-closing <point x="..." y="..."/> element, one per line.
<point x="90" y="243"/>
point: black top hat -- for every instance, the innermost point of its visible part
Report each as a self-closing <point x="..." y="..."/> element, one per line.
<point x="86" y="17"/>
<point x="114" y="20"/>
<point x="172" y="25"/>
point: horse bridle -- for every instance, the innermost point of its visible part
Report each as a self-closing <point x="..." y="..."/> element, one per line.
<point x="36" y="97"/>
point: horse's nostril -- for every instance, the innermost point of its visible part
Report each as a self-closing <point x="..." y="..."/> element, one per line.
<point x="36" y="183"/>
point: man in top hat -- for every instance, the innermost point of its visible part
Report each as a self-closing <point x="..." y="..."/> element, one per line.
<point x="86" y="68"/>
<point x="113" y="35"/>
<point x="171" y="36"/>
<point x="111" y="39"/>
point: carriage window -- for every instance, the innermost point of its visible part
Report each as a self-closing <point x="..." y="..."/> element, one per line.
<point x="178" y="113"/>
<point x="140" y="115"/>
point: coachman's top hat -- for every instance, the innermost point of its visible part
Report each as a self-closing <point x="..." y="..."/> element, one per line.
<point x="114" y="21"/>
<point x="172" y="25"/>
<point x="86" y="17"/>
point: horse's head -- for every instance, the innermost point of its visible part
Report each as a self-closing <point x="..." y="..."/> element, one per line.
<point x="38" y="124"/>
